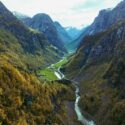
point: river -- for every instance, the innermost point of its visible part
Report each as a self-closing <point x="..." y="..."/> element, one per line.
<point x="77" y="109"/>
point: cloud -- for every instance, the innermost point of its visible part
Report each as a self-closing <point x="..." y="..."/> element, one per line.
<point x="68" y="12"/>
<point x="88" y="4"/>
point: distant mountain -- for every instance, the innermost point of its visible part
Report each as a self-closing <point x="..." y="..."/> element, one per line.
<point x="73" y="45"/>
<point x="43" y="23"/>
<point x="33" y="44"/>
<point x="62" y="33"/>
<point x="73" y="32"/>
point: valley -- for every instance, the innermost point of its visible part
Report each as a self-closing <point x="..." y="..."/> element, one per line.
<point x="52" y="74"/>
<point x="74" y="107"/>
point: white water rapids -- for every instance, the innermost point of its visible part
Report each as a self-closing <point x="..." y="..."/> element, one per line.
<point x="80" y="116"/>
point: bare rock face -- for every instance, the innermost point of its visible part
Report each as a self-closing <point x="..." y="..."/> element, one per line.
<point x="102" y="46"/>
<point x="102" y="37"/>
<point x="104" y="34"/>
<point x="107" y="18"/>
<point x="107" y="45"/>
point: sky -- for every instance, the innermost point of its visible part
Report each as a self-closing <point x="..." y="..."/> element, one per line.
<point x="75" y="13"/>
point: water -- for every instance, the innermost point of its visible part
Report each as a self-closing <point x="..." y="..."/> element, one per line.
<point x="80" y="116"/>
<point x="57" y="75"/>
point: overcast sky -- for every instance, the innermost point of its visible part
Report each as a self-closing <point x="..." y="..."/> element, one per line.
<point x="68" y="12"/>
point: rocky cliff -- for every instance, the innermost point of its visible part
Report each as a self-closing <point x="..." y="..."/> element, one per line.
<point x="99" y="66"/>
<point x="107" y="18"/>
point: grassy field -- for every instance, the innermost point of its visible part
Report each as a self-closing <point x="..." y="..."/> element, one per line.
<point x="60" y="63"/>
<point x="48" y="73"/>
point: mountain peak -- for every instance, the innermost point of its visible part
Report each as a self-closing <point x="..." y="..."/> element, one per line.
<point x="102" y="12"/>
<point x="42" y="18"/>
<point x="107" y="18"/>
<point x="2" y="7"/>
<point x="42" y="15"/>
<point x="57" y="23"/>
<point x="43" y="23"/>
<point x="121" y="3"/>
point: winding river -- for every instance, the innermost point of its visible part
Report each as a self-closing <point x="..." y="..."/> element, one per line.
<point x="80" y="116"/>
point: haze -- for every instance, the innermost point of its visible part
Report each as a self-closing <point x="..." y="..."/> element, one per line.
<point x="76" y="13"/>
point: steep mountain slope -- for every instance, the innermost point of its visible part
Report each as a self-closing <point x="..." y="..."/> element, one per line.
<point x="24" y="98"/>
<point x="43" y="23"/>
<point x="62" y="33"/>
<point x="106" y="19"/>
<point x="34" y="44"/>
<point x="73" y="32"/>
<point x="22" y="94"/>
<point x="99" y="67"/>
<point x="73" y="45"/>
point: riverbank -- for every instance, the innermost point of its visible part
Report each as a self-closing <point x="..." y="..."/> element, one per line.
<point x="51" y="73"/>
<point x="74" y="113"/>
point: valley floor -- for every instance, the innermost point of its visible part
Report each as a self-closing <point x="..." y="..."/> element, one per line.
<point x="49" y="74"/>
<point x="72" y="110"/>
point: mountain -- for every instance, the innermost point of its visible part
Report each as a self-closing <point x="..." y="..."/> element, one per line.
<point x="43" y="23"/>
<point x="106" y="19"/>
<point x="99" y="67"/>
<point x="32" y="42"/>
<point x="73" y="32"/>
<point x="62" y="33"/>
<point x="23" y="51"/>
<point x="72" y="46"/>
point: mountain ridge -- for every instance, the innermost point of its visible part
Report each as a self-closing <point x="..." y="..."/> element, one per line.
<point x="99" y="66"/>
<point x="44" y="24"/>
<point x="32" y="42"/>
<point x="105" y="19"/>
<point x="24" y="94"/>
